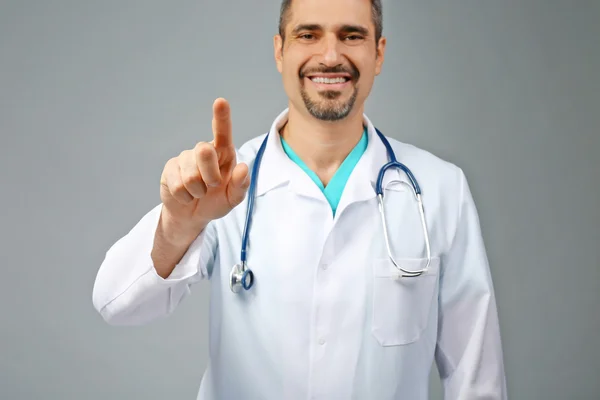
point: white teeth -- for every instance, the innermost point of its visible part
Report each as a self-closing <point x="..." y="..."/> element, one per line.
<point x="328" y="80"/>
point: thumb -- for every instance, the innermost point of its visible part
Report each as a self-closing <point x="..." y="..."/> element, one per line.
<point x="238" y="184"/>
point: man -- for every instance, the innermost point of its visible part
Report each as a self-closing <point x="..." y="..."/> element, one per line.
<point x="329" y="315"/>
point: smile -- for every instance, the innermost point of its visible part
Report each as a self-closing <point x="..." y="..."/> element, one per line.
<point x="322" y="79"/>
<point x="330" y="82"/>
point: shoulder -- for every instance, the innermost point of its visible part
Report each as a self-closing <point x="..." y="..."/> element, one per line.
<point x="433" y="173"/>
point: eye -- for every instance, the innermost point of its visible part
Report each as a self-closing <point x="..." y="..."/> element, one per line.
<point x="353" y="38"/>
<point x="306" y="36"/>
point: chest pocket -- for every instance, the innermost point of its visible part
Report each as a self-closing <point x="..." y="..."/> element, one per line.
<point x="401" y="306"/>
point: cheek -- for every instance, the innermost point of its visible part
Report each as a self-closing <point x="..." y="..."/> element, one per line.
<point x="290" y="78"/>
<point x="291" y="81"/>
<point x="367" y="70"/>
<point x="294" y="59"/>
<point x="291" y="69"/>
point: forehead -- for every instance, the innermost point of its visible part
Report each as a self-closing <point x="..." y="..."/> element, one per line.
<point x="330" y="13"/>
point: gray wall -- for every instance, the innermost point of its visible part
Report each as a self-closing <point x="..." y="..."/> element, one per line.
<point x="96" y="96"/>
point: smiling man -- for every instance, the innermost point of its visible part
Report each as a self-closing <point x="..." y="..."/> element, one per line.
<point x="347" y="283"/>
<point x="328" y="54"/>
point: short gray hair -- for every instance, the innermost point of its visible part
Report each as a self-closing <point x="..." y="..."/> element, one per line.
<point x="376" y="10"/>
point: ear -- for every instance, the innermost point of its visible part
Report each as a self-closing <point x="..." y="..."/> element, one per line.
<point x="380" y="55"/>
<point x="278" y="50"/>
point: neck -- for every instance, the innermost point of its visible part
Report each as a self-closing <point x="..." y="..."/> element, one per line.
<point x="322" y="145"/>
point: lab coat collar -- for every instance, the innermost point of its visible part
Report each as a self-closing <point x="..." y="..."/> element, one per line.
<point x="277" y="169"/>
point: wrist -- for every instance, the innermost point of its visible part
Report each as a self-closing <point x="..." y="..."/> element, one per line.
<point x="178" y="232"/>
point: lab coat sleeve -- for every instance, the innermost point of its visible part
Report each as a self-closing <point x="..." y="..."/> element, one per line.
<point x="469" y="351"/>
<point x="128" y="290"/>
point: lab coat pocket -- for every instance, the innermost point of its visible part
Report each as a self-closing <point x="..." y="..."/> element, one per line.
<point x="401" y="305"/>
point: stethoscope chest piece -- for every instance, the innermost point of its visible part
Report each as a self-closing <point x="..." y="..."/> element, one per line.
<point x="240" y="277"/>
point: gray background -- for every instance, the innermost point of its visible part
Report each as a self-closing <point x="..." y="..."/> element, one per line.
<point x="96" y="96"/>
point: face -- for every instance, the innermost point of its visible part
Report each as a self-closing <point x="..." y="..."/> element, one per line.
<point x="329" y="57"/>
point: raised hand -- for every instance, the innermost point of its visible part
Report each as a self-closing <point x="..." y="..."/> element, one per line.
<point x="206" y="182"/>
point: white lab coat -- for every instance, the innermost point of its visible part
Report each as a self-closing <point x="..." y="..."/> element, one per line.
<point x="327" y="318"/>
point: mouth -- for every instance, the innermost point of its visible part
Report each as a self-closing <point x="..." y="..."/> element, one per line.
<point x="334" y="82"/>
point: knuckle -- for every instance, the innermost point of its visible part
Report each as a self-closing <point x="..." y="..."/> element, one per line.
<point x="181" y="194"/>
<point x="171" y="163"/>
<point x="178" y="187"/>
<point x="191" y="180"/>
<point x="183" y="154"/>
<point x="204" y="151"/>
<point x="184" y="199"/>
<point x="184" y="157"/>
<point x="201" y="145"/>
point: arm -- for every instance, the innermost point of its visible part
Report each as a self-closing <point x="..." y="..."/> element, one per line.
<point x="129" y="288"/>
<point x="172" y="240"/>
<point x="149" y="271"/>
<point x="469" y="351"/>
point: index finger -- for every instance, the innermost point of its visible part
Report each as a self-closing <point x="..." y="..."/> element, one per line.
<point x="221" y="123"/>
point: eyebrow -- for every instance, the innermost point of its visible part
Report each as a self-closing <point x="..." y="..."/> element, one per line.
<point x="307" y="27"/>
<point x="344" y="29"/>
<point x="355" y="29"/>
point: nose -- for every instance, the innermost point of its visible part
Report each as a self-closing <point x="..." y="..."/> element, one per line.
<point x="331" y="51"/>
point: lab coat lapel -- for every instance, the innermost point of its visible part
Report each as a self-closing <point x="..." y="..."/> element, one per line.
<point x="361" y="184"/>
<point x="277" y="169"/>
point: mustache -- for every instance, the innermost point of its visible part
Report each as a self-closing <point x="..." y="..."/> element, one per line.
<point x="338" y="69"/>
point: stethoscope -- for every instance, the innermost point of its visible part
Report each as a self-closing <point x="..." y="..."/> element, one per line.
<point x="242" y="277"/>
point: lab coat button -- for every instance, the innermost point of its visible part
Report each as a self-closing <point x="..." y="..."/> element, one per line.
<point x="324" y="266"/>
<point x="322" y="341"/>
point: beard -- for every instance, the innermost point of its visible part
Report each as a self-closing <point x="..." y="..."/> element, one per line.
<point x="328" y="107"/>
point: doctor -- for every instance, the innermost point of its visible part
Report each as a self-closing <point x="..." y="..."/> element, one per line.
<point x="326" y="313"/>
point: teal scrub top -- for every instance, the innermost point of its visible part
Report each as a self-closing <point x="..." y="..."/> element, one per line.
<point x="334" y="189"/>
